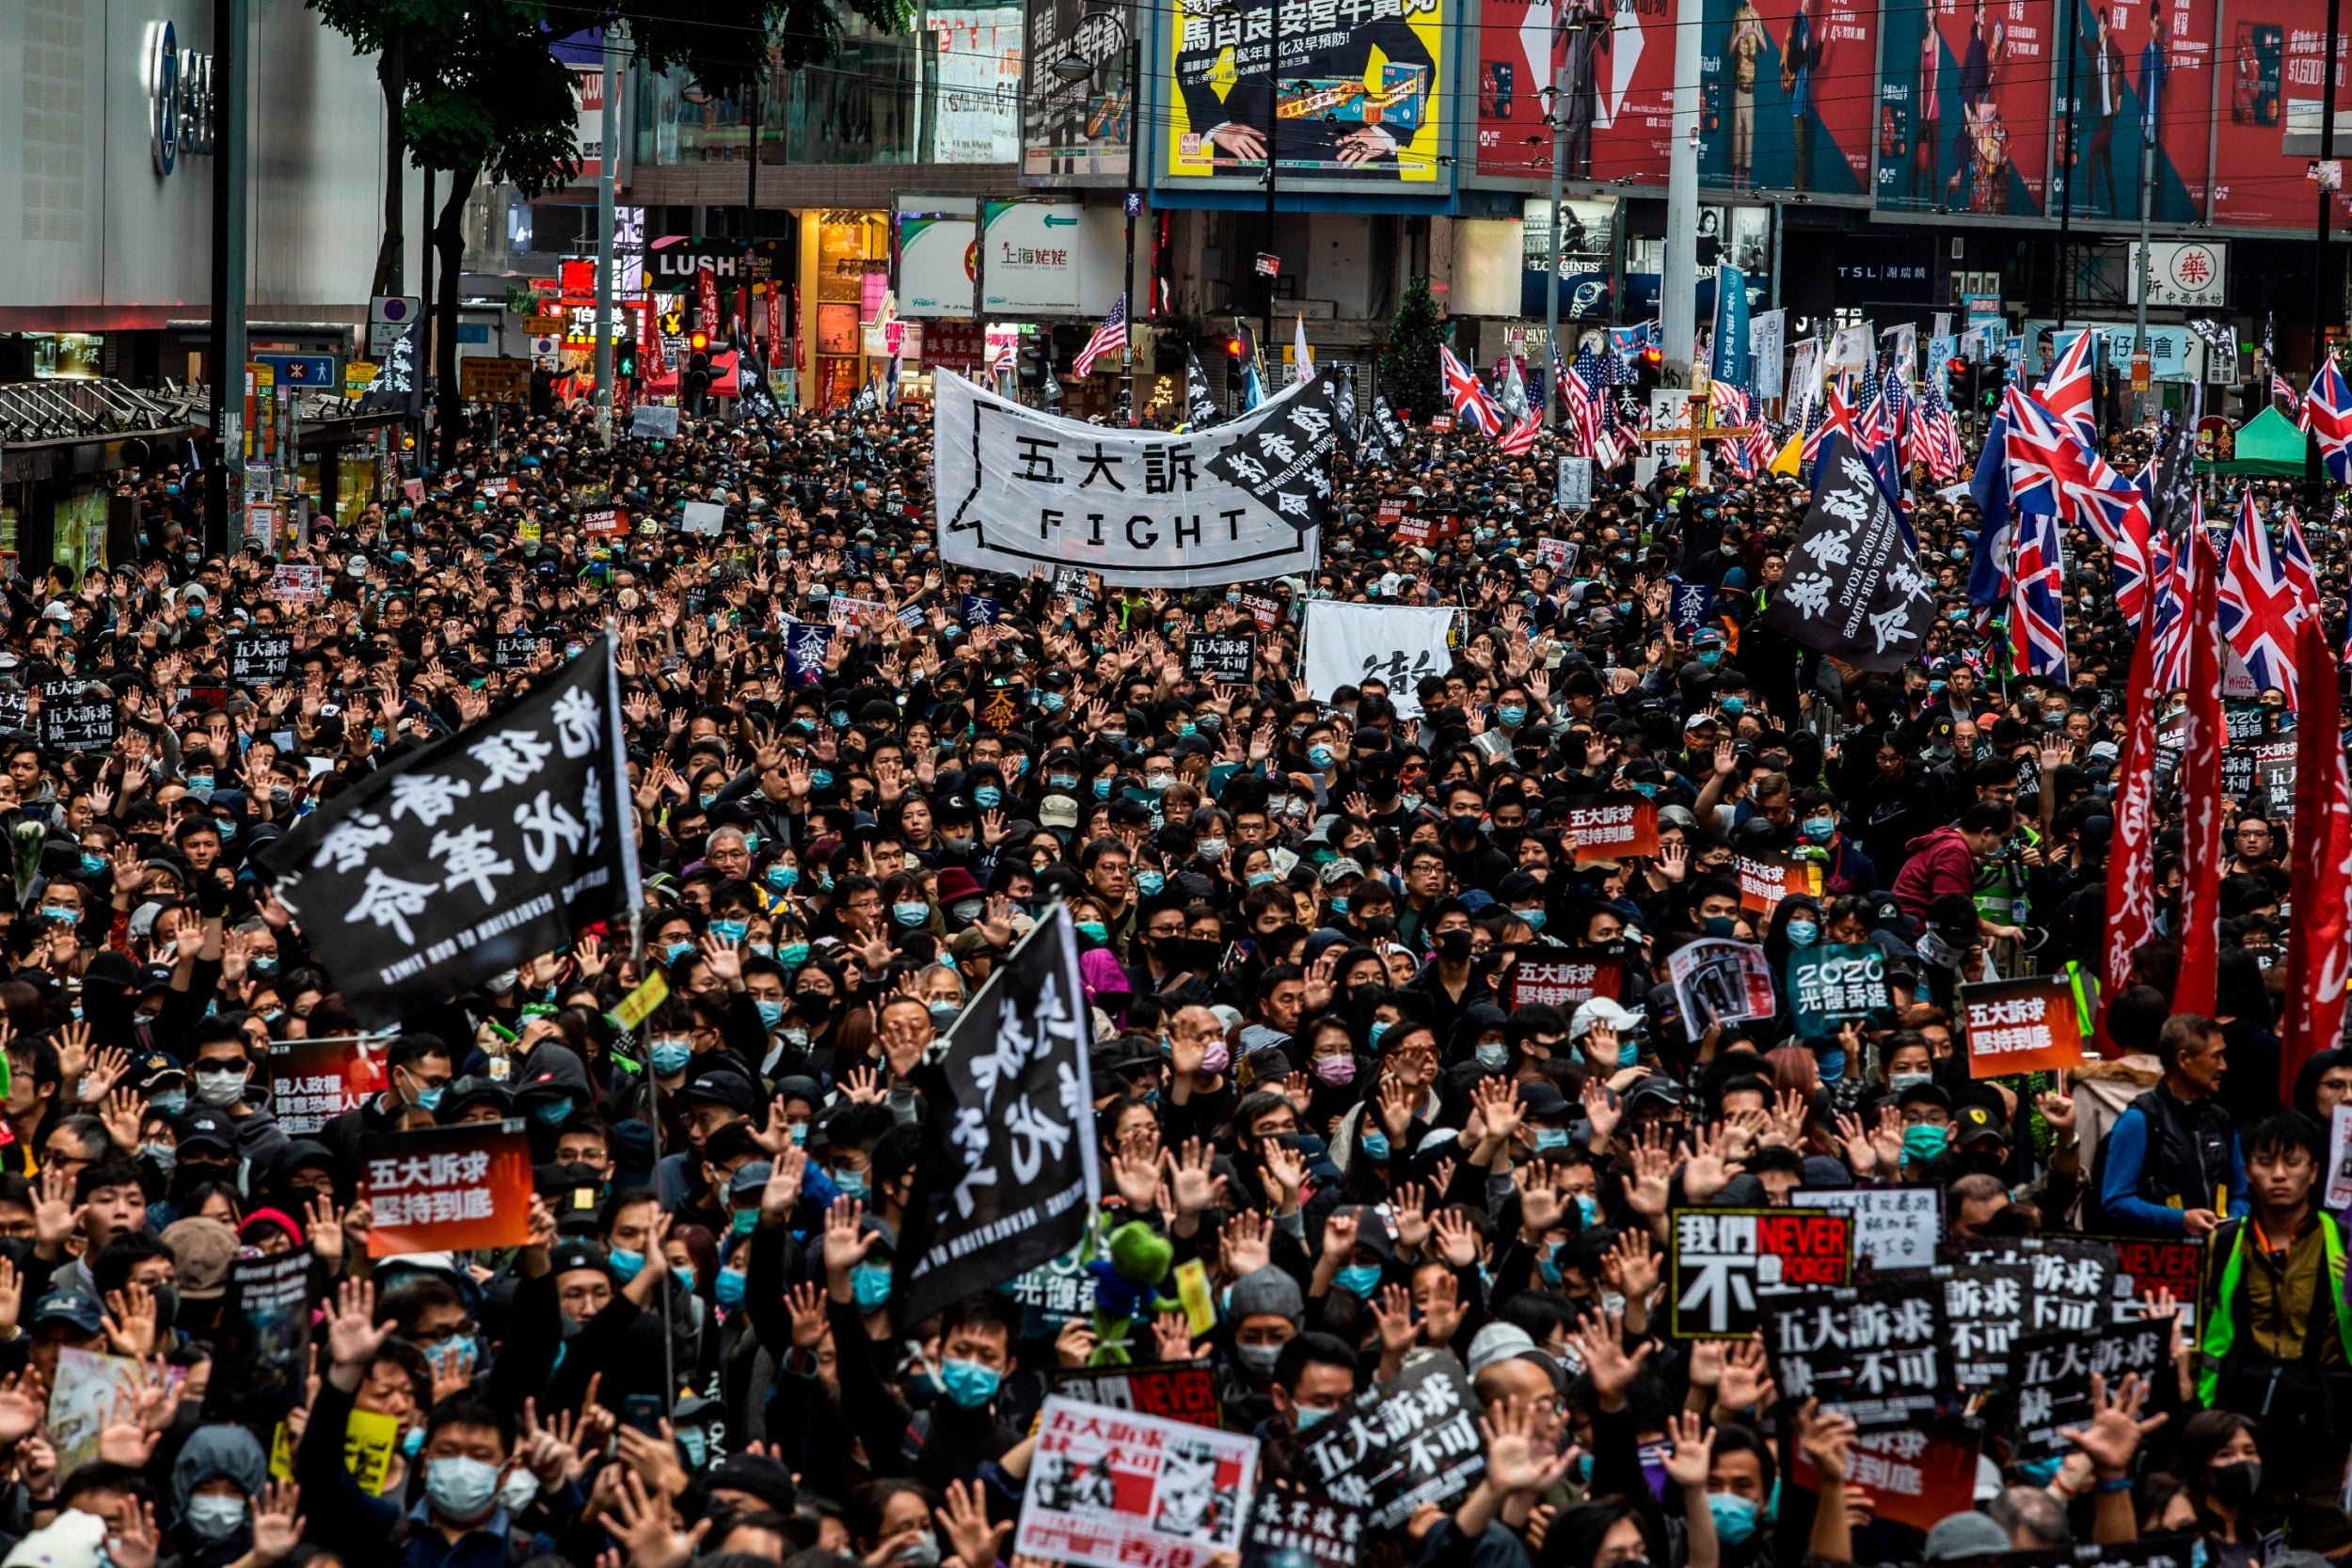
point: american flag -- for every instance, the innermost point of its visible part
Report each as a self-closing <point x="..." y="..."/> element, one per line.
<point x="1521" y="436"/>
<point x="1109" y="338"/>
<point x="2283" y="394"/>
<point x="1582" y="397"/>
<point x="1939" y="436"/>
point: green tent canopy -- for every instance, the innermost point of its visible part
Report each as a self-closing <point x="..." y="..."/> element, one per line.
<point x="2267" y="444"/>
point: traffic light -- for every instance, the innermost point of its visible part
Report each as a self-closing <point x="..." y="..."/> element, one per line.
<point x="1033" y="352"/>
<point x="624" y="359"/>
<point x="698" y="341"/>
<point x="1992" y="377"/>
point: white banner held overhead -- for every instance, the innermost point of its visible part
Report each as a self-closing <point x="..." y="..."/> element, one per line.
<point x="1348" y="643"/>
<point x="1804" y="379"/>
<point x="1017" y="488"/>
<point x="1768" y="335"/>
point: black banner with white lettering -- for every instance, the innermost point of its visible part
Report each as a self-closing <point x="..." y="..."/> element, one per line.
<point x="77" y="715"/>
<point x="482" y="850"/>
<point x="1874" y="1354"/>
<point x="261" y="657"/>
<point x="1854" y="588"/>
<point x="1009" y="1175"/>
<point x="1221" y="657"/>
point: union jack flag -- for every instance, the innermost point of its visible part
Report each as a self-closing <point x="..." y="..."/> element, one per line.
<point x="1833" y="415"/>
<point x="1582" y="397"/>
<point x="2171" y="577"/>
<point x="2296" y="557"/>
<point x="2066" y="390"/>
<point x="1110" y="338"/>
<point x="2258" y="605"/>
<point x="2328" y="415"/>
<point x="1470" y="403"/>
<point x="2283" y="394"/>
<point x="2031" y="441"/>
<point x="2037" y="615"/>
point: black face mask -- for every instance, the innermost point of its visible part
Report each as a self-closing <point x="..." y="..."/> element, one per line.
<point x="1453" y="945"/>
<point x="2236" y="1484"/>
<point x="815" y="1007"/>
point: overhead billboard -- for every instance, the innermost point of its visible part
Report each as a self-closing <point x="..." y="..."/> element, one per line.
<point x="1076" y="128"/>
<point x="1616" y="63"/>
<point x="978" y="52"/>
<point x="1965" y="106"/>
<point x="2142" y="77"/>
<point x="1778" y="109"/>
<point x="2273" y="58"/>
<point x="937" y="256"/>
<point x="1049" y="257"/>
<point x="1352" y="102"/>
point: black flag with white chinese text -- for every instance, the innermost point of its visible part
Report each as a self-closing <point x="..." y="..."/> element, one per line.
<point x="1200" y="409"/>
<point x="1854" y="589"/>
<point x="484" y="850"/>
<point x="1288" y="460"/>
<point x="1009" y="1177"/>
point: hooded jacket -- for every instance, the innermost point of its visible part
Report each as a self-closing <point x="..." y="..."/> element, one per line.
<point x="1940" y="862"/>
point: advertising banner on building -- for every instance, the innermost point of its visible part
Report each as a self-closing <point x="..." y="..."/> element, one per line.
<point x="1585" y="254"/>
<point x="1778" y="110"/>
<point x="1049" y="258"/>
<point x="937" y="256"/>
<point x="978" y="54"/>
<point x="2139" y="71"/>
<point x="1074" y="129"/>
<point x="1963" y="115"/>
<point x="1352" y="102"/>
<point x="2273" y="58"/>
<point x="1617" y="62"/>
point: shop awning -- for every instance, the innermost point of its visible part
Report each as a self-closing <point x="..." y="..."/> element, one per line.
<point x="75" y="413"/>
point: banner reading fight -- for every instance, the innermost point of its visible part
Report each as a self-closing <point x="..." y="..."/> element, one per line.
<point x="1018" y="488"/>
<point x="472" y="855"/>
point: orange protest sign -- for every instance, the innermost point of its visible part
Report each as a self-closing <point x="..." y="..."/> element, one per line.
<point x="1766" y="879"/>
<point x="2027" y="1026"/>
<point x="1614" y="828"/>
<point x="447" y="1188"/>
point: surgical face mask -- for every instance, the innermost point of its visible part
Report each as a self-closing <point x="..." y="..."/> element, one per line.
<point x="968" y="1383"/>
<point x="461" y="1489"/>
<point x="1735" y="1517"/>
<point x="1804" y="933"/>
<point x="1212" y="848"/>
<point x="1535" y="917"/>
<point x="944" y="1014"/>
<point x="225" y="1087"/>
<point x="1493" y="1056"/>
<point x="553" y="1113"/>
<point x="1308" y="1416"/>
<point x="1319" y="758"/>
<point x="1925" y="1141"/>
<point x="172" y="1103"/>
<point x="1821" y="829"/>
<point x="1338" y="1072"/>
<point x="782" y="879"/>
<point x="165" y="1156"/>
<point x="517" y="1490"/>
<point x="770" y="1012"/>
<point x="793" y="953"/>
<point x="910" y="914"/>
<point x="1258" y="1360"/>
<point x="1832" y="1064"/>
<point x="1101" y="789"/>
<point x="1376" y="1144"/>
<point x="1359" y="1280"/>
<point x="1150" y="882"/>
<point x="1549" y="1138"/>
<point x="93" y="865"/>
<point x="1587" y="1208"/>
<point x="627" y="1266"/>
<point x="430" y="1099"/>
<point x="730" y="930"/>
<point x="870" y="1283"/>
<point x="729" y="1286"/>
<point x="670" y="1056"/>
<point x="1259" y="879"/>
<point x="213" y="1518"/>
<point x="851" y="1183"/>
<point x="1898" y="1082"/>
<point x="988" y="797"/>
<point x="670" y="954"/>
<point x="1094" y="930"/>
<point x="1373" y="1032"/>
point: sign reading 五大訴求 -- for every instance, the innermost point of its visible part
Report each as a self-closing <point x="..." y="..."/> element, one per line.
<point x="2028" y="1025"/>
<point x="1018" y="488"/>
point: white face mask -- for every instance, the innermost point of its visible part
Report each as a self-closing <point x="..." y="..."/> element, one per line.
<point x="214" y="1518"/>
<point x="224" y="1087"/>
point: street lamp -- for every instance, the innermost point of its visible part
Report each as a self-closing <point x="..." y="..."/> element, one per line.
<point x="1074" y="66"/>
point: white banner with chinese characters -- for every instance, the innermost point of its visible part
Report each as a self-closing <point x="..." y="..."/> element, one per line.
<point x="1115" y="1489"/>
<point x="1018" y="488"/>
<point x="1350" y="643"/>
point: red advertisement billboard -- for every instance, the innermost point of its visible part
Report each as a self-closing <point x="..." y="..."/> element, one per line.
<point x="2142" y="70"/>
<point x="2272" y="57"/>
<point x="1617" y="57"/>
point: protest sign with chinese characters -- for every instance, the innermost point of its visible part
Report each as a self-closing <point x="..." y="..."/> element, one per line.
<point x="484" y="850"/>
<point x="2051" y="1376"/>
<point x="77" y="715"/>
<point x="1830" y="983"/>
<point x="1614" y="828"/>
<point x="293" y="584"/>
<point x="1764" y="879"/>
<point x="1874" y="1354"/>
<point x="1984" y="1311"/>
<point x="1009" y="1173"/>
<point x="1718" y="980"/>
<point x="1221" y="657"/>
<point x="1912" y="1477"/>
<point x="515" y="650"/>
<point x="447" y="1188"/>
<point x="1725" y="1262"/>
<point x="1180" y="1391"/>
<point x="2157" y="1267"/>
<point x="260" y="657"/>
<point x="2026" y="1025"/>
<point x="313" y="1081"/>
<point x="1350" y="643"/>
<point x="1566" y="983"/>
<point x="1114" y="1489"/>
<point x="1854" y="589"/>
<point x="1238" y="503"/>
<point x="1894" y="1226"/>
<point x="2071" y="1284"/>
<point x="807" y="647"/>
<point x="1403" y="1443"/>
<point x="1327" y="1534"/>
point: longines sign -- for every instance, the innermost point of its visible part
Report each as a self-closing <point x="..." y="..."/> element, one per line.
<point x="179" y="97"/>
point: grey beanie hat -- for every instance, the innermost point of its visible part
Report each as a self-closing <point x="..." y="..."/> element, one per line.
<point x="1958" y="1536"/>
<point x="1270" y="1290"/>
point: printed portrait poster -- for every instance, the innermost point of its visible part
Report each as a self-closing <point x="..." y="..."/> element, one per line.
<point x="1777" y="106"/>
<point x="1114" y="1488"/>
<point x="1964" y="113"/>
<point x="2272" y="55"/>
<point x="2141" y="76"/>
<point x="1355" y="93"/>
<point x="1618" y="114"/>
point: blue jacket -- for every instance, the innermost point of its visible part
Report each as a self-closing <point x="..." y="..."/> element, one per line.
<point x="2123" y="1157"/>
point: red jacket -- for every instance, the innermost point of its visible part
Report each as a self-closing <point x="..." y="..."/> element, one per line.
<point x="1940" y="862"/>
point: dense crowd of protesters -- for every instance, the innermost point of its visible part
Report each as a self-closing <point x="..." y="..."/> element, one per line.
<point x="1300" y="914"/>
